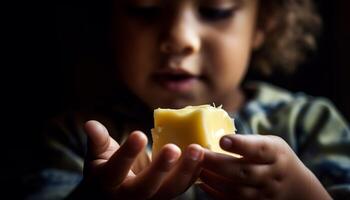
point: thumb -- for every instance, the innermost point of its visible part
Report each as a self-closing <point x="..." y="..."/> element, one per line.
<point x="253" y="148"/>
<point x="100" y="144"/>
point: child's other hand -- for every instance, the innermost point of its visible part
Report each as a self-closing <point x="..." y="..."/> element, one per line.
<point x="269" y="169"/>
<point x="108" y="167"/>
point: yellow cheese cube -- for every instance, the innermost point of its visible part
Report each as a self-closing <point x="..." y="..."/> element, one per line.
<point x="203" y="125"/>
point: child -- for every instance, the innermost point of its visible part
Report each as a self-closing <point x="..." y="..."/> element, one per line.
<point x="174" y="53"/>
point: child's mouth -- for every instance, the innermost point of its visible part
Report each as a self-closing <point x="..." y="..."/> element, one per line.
<point x="176" y="82"/>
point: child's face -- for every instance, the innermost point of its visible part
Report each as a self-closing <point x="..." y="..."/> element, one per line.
<point x="173" y="53"/>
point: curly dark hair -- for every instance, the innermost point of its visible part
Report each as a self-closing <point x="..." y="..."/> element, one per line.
<point x="291" y="28"/>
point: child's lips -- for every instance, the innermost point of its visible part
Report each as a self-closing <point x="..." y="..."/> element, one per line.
<point x="177" y="82"/>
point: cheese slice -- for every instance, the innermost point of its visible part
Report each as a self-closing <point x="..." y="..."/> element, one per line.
<point x="203" y="125"/>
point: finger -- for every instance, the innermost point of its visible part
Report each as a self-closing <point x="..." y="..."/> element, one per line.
<point x="253" y="148"/>
<point x="184" y="175"/>
<point x="227" y="188"/>
<point x="147" y="182"/>
<point x="219" y="163"/>
<point x="217" y="182"/>
<point x="100" y="144"/>
<point x="236" y="169"/>
<point x="118" y="166"/>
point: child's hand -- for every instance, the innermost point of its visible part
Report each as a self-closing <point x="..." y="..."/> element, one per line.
<point x="269" y="169"/>
<point x="108" y="167"/>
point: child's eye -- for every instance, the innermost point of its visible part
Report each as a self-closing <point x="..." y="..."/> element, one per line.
<point x="144" y="12"/>
<point x="216" y="14"/>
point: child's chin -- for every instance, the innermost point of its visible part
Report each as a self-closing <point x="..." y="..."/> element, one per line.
<point x="180" y="103"/>
<point x="167" y="99"/>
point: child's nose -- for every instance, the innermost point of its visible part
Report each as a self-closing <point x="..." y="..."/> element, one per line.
<point x="180" y="35"/>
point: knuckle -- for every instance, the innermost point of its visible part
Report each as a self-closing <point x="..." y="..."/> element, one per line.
<point x="278" y="177"/>
<point x="262" y="150"/>
<point x="244" y="172"/>
<point x="277" y="140"/>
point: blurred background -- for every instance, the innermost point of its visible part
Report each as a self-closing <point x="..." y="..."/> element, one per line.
<point x="43" y="82"/>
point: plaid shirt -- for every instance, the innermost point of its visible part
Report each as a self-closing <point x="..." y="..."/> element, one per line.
<point x="312" y="126"/>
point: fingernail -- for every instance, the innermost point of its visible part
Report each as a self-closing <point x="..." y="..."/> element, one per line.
<point x="226" y="143"/>
<point x="193" y="154"/>
<point x="172" y="160"/>
<point x="170" y="156"/>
